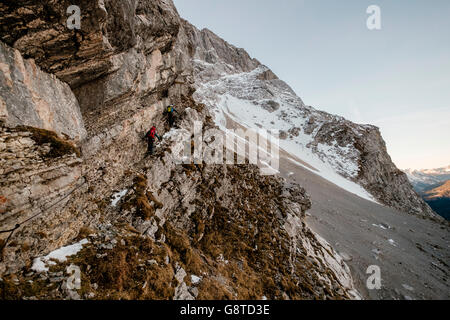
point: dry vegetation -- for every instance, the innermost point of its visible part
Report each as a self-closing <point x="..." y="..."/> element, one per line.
<point x="58" y="146"/>
<point x="141" y="200"/>
<point x="236" y="243"/>
<point x="234" y="240"/>
<point x="246" y="230"/>
<point x="118" y="274"/>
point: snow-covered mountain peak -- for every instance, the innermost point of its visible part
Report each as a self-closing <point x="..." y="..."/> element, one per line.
<point x="240" y="90"/>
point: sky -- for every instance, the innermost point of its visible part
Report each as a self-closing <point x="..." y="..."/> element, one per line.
<point x="397" y="78"/>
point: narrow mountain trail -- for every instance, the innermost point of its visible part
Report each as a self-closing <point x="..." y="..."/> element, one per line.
<point x="78" y="193"/>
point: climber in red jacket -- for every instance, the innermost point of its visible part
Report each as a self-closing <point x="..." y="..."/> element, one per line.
<point x="150" y="137"/>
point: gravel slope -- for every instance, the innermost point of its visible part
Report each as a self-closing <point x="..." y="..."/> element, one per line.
<point x="414" y="263"/>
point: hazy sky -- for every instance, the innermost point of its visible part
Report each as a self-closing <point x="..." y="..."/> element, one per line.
<point x="397" y="78"/>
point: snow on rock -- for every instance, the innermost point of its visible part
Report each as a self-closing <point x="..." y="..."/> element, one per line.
<point x="381" y="226"/>
<point x="407" y="287"/>
<point x="40" y="264"/>
<point x="117" y="196"/>
<point x="241" y="92"/>
<point x="255" y="103"/>
<point x="392" y="242"/>
<point x="195" y="279"/>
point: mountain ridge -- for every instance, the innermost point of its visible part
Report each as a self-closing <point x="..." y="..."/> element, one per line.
<point x="427" y="183"/>
<point x="148" y="227"/>
<point x="422" y="178"/>
<point x="145" y="226"/>
<point x="442" y="191"/>
<point x="372" y="167"/>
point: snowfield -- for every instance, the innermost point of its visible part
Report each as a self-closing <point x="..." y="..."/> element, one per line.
<point x="254" y="103"/>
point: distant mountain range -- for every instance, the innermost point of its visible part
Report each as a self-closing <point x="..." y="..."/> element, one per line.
<point x="443" y="191"/>
<point x="425" y="178"/>
<point x="434" y="187"/>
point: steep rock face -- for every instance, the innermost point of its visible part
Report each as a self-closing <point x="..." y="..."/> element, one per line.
<point x="379" y="175"/>
<point x="234" y="86"/>
<point x="39" y="172"/>
<point x="126" y="54"/>
<point x="122" y="92"/>
<point x="201" y="232"/>
<point x="364" y="146"/>
<point x="156" y="68"/>
<point x="39" y="30"/>
<point x="124" y="66"/>
<point x="210" y="48"/>
<point x="29" y="96"/>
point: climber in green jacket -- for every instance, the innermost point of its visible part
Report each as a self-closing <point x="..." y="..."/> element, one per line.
<point x="170" y="110"/>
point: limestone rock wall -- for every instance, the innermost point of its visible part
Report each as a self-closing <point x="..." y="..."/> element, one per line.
<point x="379" y="175"/>
<point x="29" y="96"/>
<point x="207" y="46"/>
<point x="38" y="30"/>
<point x="123" y="67"/>
<point x="376" y="171"/>
<point x="38" y="175"/>
<point x="129" y="60"/>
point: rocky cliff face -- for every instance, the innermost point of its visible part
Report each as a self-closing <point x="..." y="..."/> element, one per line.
<point x="196" y="232"/>
<point x="235" y="86"/>
<point x="38" y="30"/>
<point x="35" y="98"/>
<point x="74" y="107"/>
<point x="115" y="112"/>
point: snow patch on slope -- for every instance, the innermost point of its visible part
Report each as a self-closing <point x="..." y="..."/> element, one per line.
<point x="41" y="264"/>
<point x="116" y="197"/>
<point x="254" y="103"/>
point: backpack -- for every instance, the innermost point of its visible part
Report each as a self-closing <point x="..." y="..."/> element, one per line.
<point x="152" y="132"/>
<point x="169" y="109"/>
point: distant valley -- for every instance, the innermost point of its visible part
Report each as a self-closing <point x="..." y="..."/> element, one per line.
<point x="433" y="185"/>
